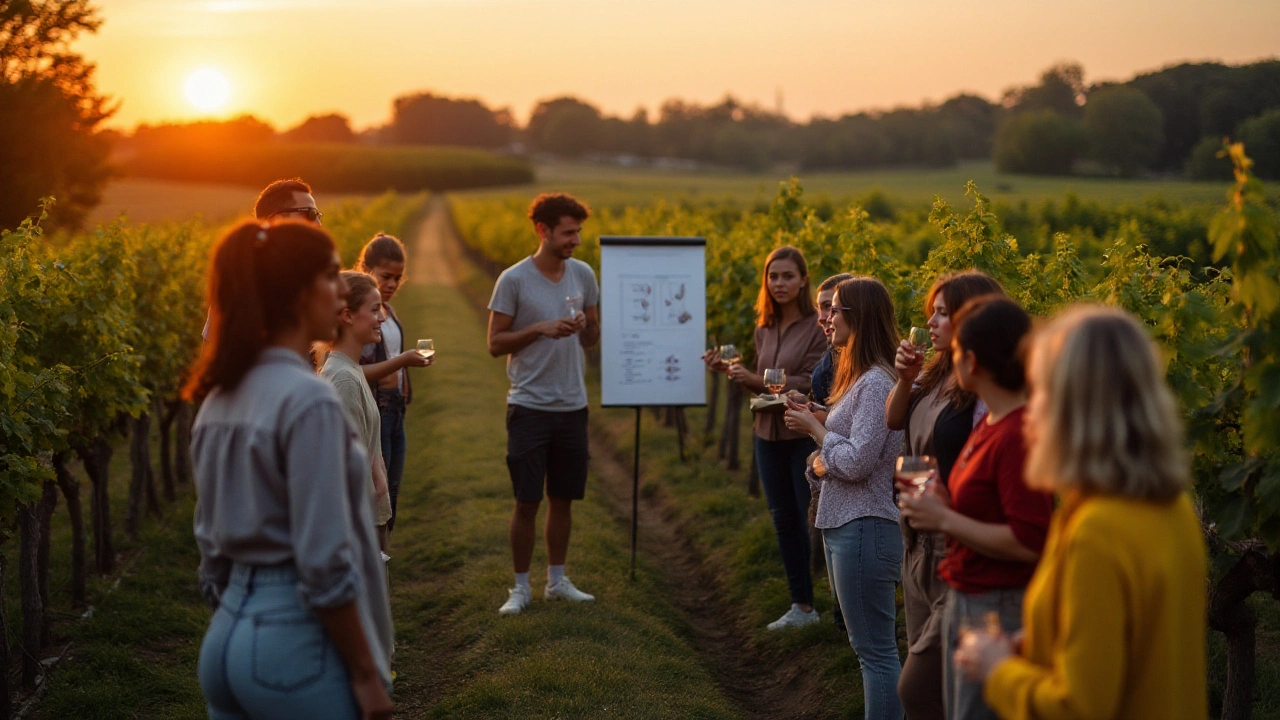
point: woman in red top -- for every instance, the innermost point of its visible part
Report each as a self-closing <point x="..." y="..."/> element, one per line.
<point x="995" y="524"/>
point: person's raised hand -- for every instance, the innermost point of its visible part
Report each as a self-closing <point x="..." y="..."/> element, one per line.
<point x="713" y="361"/>
<point x="556" y="329"/>
<point x="927" y="511"/>
<point x="414" y="359"/>
<point x="908" y="361"/>
<point x="800" y="419"/>
<point x="979" y="653"/>
<point x="738" y="372"/>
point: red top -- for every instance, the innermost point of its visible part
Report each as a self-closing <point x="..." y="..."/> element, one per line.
<point x="986" y="484"/>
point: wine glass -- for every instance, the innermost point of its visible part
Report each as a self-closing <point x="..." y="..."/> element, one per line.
<point x="730" y="355"/>
<point x="573" y="306"/>
<point x="974" y="624"/>
<point x="918" y="471"/>
<point x="775" y="379"/>
<point x="426" y="348"/>
<point x="919" y="337"/>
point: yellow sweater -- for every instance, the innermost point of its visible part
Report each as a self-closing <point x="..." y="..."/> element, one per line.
<point x="1114" y="618"/>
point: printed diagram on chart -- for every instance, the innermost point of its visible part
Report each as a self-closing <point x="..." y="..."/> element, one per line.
<point x="654" y="302"/>
<point x="673" y="307"/>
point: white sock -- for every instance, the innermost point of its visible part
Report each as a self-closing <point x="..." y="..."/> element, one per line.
<point x="555" y="573"/>
<point x="522" y="580"/>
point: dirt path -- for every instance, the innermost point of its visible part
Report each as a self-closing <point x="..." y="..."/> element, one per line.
<point x="761" y="685"/>
<point x="430" y="263"/>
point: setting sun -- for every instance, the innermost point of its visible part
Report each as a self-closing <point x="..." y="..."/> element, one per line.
<point x="207" y="89"/>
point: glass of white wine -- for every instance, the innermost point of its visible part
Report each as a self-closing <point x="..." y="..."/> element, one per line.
<point x="918" y="471"/>
<point x="775" y="379"/>
<point x="919" y="337"/>
<point x="730" y="355"/>
<point x="427" y="348"/>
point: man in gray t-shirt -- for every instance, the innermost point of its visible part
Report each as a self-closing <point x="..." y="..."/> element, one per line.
<point x="544" y="311"/>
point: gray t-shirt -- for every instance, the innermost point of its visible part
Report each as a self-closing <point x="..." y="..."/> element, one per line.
<point x="547" y="373"/>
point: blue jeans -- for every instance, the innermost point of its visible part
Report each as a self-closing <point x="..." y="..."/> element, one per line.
<point x="393" y="451"/>
<point x="786" y="491"/>
<point x="264" y="656"/>
<point x="864" y="562"/>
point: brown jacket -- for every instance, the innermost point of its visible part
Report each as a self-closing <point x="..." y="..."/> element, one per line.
<point x="796" y="349"/>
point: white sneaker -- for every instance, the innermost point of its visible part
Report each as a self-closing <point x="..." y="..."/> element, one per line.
<point x="517" y="600"/>
<point x="794" y="618"/>
<point x="564" y="590"/>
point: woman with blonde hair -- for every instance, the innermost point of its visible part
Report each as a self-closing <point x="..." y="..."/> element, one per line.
<point x="359" y="324"/>
<point x="854" y="470"/>
<point x="1114" y="618"/>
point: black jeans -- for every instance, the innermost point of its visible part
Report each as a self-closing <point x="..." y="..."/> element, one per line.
<point x="782" y="464"/>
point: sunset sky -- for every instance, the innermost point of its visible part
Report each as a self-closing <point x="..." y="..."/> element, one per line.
<point x="288" y="59"/>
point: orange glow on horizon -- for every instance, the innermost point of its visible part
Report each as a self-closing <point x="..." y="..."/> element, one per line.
<point x="290" y="59"/>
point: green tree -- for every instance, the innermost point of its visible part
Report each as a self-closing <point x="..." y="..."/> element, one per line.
<point x="1039" y="143"/>
<point x="1124" y="129"/>
<point x="1061" y="90"/>
<point x="1207" y="161"/>
<point x="1261" y="138"/>
<point x="332" y="128"/>
<point x="49" y="112"/>
<point x="427" y="119"/>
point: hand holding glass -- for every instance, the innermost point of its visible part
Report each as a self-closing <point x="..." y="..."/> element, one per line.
<point x="775" y="379"/>
<point x="730" y="355"/>
<point x="919" y="337"/>
<point x="426" y="348"/>
<point x="918" y="471"/>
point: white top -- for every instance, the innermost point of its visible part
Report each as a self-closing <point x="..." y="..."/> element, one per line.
<point x="393" y="340"/>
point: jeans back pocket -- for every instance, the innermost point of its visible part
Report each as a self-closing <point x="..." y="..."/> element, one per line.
<point x="290" y="649"/>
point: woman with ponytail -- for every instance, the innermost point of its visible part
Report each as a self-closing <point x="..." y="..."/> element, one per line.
<point x="359" y="324"/>
<point x="288" y="555"/>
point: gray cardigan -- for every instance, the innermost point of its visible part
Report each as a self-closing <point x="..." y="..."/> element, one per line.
<point x="859" y="452"/>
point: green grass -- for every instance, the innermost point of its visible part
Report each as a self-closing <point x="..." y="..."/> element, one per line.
<point x="610" y="185"/>
<point x="623" y="656"/>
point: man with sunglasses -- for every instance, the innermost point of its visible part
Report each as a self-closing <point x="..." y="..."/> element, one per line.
<point x="282" y="200"/>
<point x="287" y="200"/>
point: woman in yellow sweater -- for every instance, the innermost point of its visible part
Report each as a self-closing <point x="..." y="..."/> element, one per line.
<point x="1114" y="619"/>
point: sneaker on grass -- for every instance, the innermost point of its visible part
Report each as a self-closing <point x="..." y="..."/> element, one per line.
<point x="564" y="590"/>
<point x="517" y="600"/>
<point x="794" y="618"/>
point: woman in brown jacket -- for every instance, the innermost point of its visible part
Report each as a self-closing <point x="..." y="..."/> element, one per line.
<point x="788" y="338"/>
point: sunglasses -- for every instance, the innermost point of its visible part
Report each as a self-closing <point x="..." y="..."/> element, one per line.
<point x="312" y="214"/>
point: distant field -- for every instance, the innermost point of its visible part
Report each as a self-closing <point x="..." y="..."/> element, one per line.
<point x="610" y="185"/>
<point x="158" y="200"/>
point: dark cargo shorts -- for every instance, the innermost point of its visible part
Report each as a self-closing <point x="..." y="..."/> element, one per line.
<point x="550" y="446"/>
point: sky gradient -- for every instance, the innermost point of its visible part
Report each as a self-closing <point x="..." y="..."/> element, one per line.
<point x="288" y="59"/>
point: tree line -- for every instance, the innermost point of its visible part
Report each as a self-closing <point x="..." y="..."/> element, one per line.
<point x="1170" y="121"/>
